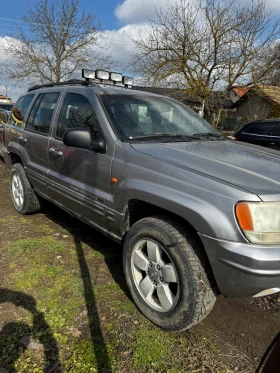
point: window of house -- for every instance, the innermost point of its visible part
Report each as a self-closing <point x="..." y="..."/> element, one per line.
<point x="19" y="110"/>
<point x="40" y="117"/>
<point x="77" y="112"/>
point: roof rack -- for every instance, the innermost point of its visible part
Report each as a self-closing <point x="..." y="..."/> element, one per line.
<point x="68" y="82"/>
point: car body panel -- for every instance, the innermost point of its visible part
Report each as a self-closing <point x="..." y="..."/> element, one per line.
<point x="193" y="195"/>
<point x="243" y="269"/>
<point x="228" y="161"/>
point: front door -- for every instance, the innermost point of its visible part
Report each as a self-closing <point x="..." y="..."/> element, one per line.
<point x="79" y="179"/>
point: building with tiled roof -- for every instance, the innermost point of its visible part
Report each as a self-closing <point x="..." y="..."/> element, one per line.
<point x="5" y="99"/>
<point x="257" y="102"/>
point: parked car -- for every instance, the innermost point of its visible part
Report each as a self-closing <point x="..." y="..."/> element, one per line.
<point x="198" y="214"/>
<point x="260" y="132"/>
<point x="6" y="107"/>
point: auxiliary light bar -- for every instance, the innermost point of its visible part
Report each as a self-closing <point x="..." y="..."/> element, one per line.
<point x="116" y="77"/>
<point x="127" y="80"/>
<point x="106" y="75"/>
<point x="88" y="74"/>
<point x="102" y="74"/>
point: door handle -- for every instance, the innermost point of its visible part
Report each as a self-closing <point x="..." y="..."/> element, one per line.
<point x="55" y="152"/>
<point x="22" y="140"/>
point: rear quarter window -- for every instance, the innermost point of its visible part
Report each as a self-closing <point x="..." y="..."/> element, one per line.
<point x="17" y="115"/>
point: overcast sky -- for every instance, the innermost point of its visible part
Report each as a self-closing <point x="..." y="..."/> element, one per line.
<point x="119" y="19"/>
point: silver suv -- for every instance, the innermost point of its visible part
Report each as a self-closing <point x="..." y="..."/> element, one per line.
<point x="197" y="214"/>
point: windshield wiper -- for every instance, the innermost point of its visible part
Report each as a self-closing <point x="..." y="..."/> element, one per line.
<point x="162" y="135"/>
<point x="208" y="134"/>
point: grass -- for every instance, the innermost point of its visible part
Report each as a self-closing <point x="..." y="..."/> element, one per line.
<point x="44" y="228"/>
<point x="152" y="348"/>
<point x="87" y="315"/>
<point x="36" y="245"/>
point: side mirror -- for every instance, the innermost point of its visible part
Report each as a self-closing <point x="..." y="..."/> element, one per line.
<point x="82" y="138"/>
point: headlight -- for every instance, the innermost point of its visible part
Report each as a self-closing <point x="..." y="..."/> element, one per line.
<point x="259" y="221"/>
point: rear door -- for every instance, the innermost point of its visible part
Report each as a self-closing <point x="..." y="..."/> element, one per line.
<point x="274" y="141"/>
<point x="80" y="179"/>
<point x="35" y="139"/>
<point x="258" y="133"/>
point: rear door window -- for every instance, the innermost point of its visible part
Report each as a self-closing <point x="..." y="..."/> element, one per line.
<point x="260" y="129"/>
<point x="16" y="118"/>
<point x="41" y="114"/>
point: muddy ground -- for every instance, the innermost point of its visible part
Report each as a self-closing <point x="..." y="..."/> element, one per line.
<point x="245" y="326"/>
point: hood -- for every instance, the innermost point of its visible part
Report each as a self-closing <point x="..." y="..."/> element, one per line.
<point x="250" y="167"/>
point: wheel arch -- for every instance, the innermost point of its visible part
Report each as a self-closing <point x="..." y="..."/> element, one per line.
<point x="136" y="210"/>
<point x="13" y="157"/>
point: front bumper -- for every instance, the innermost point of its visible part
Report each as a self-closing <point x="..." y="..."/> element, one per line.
<point x="243" y="269"/>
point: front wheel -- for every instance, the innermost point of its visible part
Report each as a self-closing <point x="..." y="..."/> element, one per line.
<point x="166" y="275"/>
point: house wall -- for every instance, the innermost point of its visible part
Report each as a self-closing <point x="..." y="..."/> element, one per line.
<point x="254" y="108"/>
<point x="274" y="111"/>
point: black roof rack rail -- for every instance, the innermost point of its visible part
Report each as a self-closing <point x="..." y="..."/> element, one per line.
<point x="68" y="82"/>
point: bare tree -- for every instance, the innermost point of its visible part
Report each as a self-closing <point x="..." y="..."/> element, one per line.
<point x="273" y="53"/>
<point x="203" y="46"/>
<point x="55" y="40"/>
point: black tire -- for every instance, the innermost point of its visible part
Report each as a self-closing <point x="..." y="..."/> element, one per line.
<point x="195" y="297"/>
<point x="30" y="202"/>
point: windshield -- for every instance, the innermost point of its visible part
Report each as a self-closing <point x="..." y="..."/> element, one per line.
<point x="7" y="107"/>
<point x="146" y="117"/>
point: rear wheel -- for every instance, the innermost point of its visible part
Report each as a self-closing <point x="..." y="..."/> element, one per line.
<point x="23" y="196"/>
<point x="166" y="273"/>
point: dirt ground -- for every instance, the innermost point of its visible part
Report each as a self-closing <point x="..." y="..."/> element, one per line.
<point x="245" y="326"/>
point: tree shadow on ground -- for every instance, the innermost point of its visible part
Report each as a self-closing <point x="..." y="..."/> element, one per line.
<point x="111" y="250"/>
<point x="98" y="343"/>
<point x="12" y="333"/>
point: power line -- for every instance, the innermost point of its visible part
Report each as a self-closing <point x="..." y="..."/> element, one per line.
<point x="4" y="24"/>
<point x="104" y="36"/>
<point x="17" y="20"/>
<point x="108" y="39"/>
<point x="34" y="23"/>
<point x="30" y="23"/>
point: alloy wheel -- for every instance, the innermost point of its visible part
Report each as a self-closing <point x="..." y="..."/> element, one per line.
<point x="155" y="275"/>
